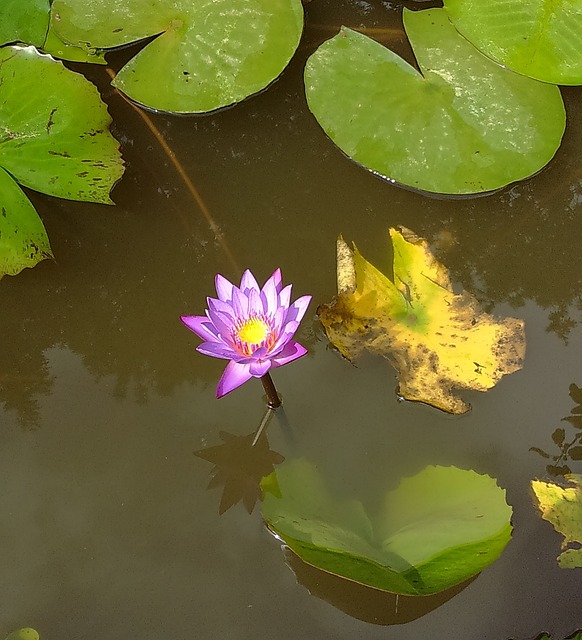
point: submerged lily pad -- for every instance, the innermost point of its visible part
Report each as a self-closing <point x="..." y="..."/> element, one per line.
<point x="437" y="340"/>
<point x="437" y="529"/>
<point x="562" y="507"/>
<point x="538" y="38"/>
<point x="24" y="634"/>
<point x="54" y="138"/>
<point x="207" y="54"/>
<point x="465" y="125"/>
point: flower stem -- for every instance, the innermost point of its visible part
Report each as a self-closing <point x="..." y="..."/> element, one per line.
<point x="273" y="399"/>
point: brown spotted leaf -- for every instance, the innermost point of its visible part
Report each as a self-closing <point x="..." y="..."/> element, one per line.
<point x="437" y="341"/>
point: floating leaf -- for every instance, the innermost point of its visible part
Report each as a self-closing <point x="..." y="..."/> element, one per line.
<point x="24" y="634"/>
<point x="562" y="507"/>
<point x="23" y="239"/>
<point x="210" y="54"/>
<point x="30" y="22"/>
<point x="65" y="51"/>
<point x="437" y="340"/>
<point x="54" y="138"/>
<point x="24" y="21"/>
<point x="538" y="38"/>
<point x="437" y="529"/>
<point x="466" y="125"/>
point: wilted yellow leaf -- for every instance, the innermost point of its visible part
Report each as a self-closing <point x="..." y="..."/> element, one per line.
<point x="437" y="340"/>
<point x="562" y="507"/>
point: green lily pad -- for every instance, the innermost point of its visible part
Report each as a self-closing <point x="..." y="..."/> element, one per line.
<point x="538" y="38"/>
<point x="465" y="125"/>
<point x="54" y="138"/>
<point x="24" y="634"/>
<point x="54" y="46"/>
<point x="208" y="53"/>
<point x="30" y="22"/>
<point x="562" y="507"/>
<point x="436" y="530"/>
<point x="24" y="21"/>
<point x="23" y="239"/>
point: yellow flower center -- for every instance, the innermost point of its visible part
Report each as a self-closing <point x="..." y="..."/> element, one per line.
<point x="253" y="331"/>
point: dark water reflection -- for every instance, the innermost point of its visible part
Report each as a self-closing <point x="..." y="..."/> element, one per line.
<point x="108" y="529"/>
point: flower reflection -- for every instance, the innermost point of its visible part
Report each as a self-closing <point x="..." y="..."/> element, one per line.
<point x="239" y="466"/>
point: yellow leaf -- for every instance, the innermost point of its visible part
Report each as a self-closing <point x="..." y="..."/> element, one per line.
<point x="437" y="341"/>
<point x="562" y="507"/>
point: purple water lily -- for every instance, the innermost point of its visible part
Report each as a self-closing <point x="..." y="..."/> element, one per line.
<point x="251" y="327"/>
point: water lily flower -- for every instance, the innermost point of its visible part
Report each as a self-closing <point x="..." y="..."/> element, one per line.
<point x="251" y="327"/>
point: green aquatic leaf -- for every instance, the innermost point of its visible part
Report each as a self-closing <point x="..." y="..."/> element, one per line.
<point x="436" y="530"/>
<point x="438" y="341"/>
<point x="24" y="21"/>
<point x="537" y="38"/>
<point x="23" y="239"/>
<point x="562" y="507"/>
<point x="31" y="22"/>
<point x="207" y="54"/>
<point x="464" y="125"/>
<point x="54" y="132"/>
<point x="54" y="46"/>
<point x="24" y="634"/>
<point x="54" y="138"/>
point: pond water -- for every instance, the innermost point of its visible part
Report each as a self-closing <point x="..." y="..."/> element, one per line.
<point x="109" y="530"/>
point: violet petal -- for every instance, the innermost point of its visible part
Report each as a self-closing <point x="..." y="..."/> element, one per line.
<point x="240" y="304"/>
<point x="223" y="287"/>
<point x="233" y="376"/>
<point x="285" y="296"/>
<point x="248" y="282"/>
<point x="201" y="326"/>
<point x="223" y="323"/>
<point x="258" y="369"/>
<point x="255" y="303"/>
<point x="277" y="280"/>
<point x="292" y="351"/>
<point x="286" y="335"/>
<point x="220" y="305"/>
<point x="269" y="297"/>
<point x="298" y="308"/>
<point x="216" y="350"/>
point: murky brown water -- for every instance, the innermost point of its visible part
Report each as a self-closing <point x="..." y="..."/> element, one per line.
<point x="108" y="530"/>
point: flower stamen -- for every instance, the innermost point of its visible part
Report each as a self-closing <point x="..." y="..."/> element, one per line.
<point x="252" y="333"/>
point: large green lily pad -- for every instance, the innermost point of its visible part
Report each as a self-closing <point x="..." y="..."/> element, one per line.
<point x="538" y="38"/>
<point x="464" y="125"/>
<point x="437" y="529"/>
<point x="208" y="53"/>
<point x="438" y="341"/>
<point x="54" y="138"/>
<point x="562" y="507"/>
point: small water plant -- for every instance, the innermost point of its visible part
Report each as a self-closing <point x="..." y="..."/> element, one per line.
<point x="253" y="328"/>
